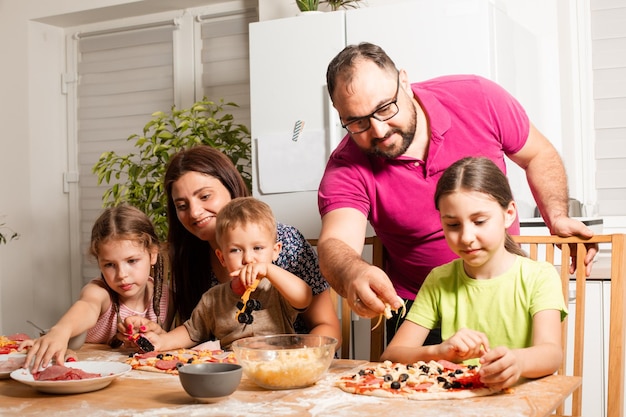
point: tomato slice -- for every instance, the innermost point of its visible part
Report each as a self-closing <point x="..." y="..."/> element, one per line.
<point x="5" y="350"/>
<point x="472" y="381"/>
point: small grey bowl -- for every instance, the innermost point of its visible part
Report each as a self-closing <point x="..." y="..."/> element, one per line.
<point x="210" y="382"/>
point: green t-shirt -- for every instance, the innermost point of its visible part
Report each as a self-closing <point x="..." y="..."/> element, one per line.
<point x="501" y="307"/>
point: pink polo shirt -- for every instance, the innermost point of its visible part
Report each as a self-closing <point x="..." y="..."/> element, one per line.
<point x="469" y="116"/>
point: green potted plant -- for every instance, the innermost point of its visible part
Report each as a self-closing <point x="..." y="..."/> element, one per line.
<point x="307" y="5"/>
<point x="341" y="4"/>
<point x="138" y="178"/>
<point x="7" y="234"/>
<point x="313" y="5"/>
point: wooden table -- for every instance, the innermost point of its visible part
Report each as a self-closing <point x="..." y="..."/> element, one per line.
<point x="139" y="393"/>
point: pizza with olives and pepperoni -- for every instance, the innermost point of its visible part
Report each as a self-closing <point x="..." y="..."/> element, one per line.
<point x="434" y="380"/>
<point x="169" y="362"/>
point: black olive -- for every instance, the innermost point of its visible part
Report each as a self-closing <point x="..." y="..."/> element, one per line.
<point x="395" y="385"/>
<point x="458" y="371"/>
<point x="424" y="368"/>
<point x="159" y="356"/>
<point x="388" y="377"/>
<point x="403" y="377"/>
<point x="441" y="379"/>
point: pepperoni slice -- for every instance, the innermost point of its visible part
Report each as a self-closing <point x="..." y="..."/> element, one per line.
<point x="146" y="355"/>
<point x="166" y="365"/>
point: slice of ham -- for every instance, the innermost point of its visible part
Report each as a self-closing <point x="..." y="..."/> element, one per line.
<point x="18" y="337"/>
<point x="62" y="373"/>
<point x="11" y="364"/>
<point x="450" y="365"/>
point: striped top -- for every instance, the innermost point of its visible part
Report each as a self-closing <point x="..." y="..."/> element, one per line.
<point x="105" y="328"/>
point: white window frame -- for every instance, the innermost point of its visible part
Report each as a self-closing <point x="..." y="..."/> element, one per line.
<point x="187" y="47"/>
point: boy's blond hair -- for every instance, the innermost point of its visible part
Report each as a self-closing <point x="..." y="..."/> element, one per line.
<point x="242" y="211"/>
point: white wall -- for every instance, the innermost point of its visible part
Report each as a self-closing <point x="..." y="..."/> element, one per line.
<point x="35" y="270"/>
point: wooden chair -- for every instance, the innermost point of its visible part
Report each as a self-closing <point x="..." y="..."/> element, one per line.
<point x="377" y="336"/>
<point x="543" y="248"/>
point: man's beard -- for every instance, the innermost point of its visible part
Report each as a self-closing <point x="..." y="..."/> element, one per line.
<point x="395" y="151"/>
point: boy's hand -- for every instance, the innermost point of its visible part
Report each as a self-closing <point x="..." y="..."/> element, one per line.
<point x="464" y="344"/>
<point x="251" y="272"/>
<point x="500" y="368"/>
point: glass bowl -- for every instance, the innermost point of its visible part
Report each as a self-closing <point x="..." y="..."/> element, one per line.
<point x="285" y="361"/>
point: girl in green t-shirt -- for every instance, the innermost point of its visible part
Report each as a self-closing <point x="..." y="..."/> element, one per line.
<point x="495" y="307"/>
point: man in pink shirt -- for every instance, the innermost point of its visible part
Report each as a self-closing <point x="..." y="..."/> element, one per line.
<point x="401" y="138"/>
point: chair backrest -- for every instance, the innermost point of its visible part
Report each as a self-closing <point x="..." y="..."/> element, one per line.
<point x="377" y="336"/>
<point x="543" y="248"/>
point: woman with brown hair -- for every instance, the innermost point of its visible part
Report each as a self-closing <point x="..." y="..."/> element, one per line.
<point x="199" y="182"/>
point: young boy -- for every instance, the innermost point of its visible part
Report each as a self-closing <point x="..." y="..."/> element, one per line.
<point x="246" y="235"/>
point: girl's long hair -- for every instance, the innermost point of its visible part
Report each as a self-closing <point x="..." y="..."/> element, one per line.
<point x="482" y="175"/>
<point x="125" y="222"/>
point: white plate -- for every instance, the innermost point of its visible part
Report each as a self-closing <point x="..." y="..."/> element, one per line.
<point x="4" y="358"/>
<point x="108" y="370"/>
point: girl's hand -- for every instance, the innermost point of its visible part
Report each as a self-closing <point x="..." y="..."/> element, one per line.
<point x="25" y="344"/>
<point x="464" y="344"/>
<point x="133" y="325"/>
<point x="500" y="368"/>
<point x="138" y="324"/>
<point x="250" y="272"/>
<point x="52" y="345"/>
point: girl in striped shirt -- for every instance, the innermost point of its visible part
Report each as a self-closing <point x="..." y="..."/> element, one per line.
<point x="126" y="248"/>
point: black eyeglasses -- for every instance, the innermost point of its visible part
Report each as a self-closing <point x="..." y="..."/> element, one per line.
<point x="383" y="113"/>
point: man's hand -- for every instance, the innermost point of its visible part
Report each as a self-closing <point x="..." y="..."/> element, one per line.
<point x="368" y="292"/>
<point x="565" y="227"/>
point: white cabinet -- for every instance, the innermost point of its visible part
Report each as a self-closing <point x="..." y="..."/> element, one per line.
<point x="288" y="61"/>
<point x="594" y="364"/>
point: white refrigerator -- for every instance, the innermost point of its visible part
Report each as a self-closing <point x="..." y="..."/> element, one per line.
<point x="295" y="127"/>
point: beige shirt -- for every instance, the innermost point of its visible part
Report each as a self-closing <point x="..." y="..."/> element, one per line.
<point x="215" y="315"/>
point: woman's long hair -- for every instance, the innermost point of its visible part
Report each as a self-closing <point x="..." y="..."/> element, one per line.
<point x="189" y="256"/>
